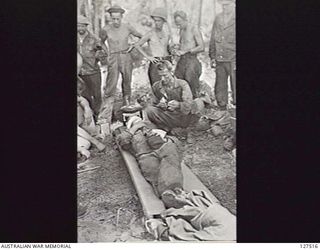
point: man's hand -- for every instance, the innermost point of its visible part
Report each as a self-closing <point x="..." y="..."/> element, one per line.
<point x="162" y="105"/>
<point x="131" y="47"/>
<point x="213" y="63"/>
<point x="152" y="59"/>
<point x="102" y="56"/>
<point x="173" y="105"/>
<point x="180" y="52"/>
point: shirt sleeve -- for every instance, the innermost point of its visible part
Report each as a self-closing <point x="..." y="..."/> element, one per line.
<point x="185" y="105"/>
<point x="101" y="53"/>
<point x="103" y="34"/>
<point x="155" y="94"/>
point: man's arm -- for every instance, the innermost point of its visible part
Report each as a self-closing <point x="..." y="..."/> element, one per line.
<point x="155" y="95"/>
<point x="103" y="35"/>
<point x="199" y="41"/>
<point x="101" y="51"/>
<point x="142" y="41"/>
<point x="134" y="32"/>
<point x="185" y="105"/>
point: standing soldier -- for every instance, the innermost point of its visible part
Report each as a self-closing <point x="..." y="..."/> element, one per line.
<point x="91" y="51"/>
<point x="191" y="43"/>
<point x="222" y="51"/>
<point x="117" y="36"/>
<point x="158" y="38"/>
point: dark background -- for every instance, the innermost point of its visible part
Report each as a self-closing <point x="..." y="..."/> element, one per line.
<point x="277" y="117"/>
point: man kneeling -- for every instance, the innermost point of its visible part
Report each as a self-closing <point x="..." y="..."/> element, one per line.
<point x="172" y="103"/>
<point x="85" y="124"/>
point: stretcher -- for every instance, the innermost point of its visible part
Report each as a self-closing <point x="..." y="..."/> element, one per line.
<point x="151" y="204"/>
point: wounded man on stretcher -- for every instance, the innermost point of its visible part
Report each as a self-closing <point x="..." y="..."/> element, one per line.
<point x="190" y="216"/>
<point x="157" y="154"/>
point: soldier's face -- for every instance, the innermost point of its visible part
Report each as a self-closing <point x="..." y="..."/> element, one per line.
<point x="82" y="28"/>
<point x="181" y="23"/>
<point x="166" y="76"/>
<point x="158" y="22"/>
<point x="116" y="19"/>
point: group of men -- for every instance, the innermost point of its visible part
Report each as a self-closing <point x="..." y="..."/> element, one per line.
<point x="174" y="90"/>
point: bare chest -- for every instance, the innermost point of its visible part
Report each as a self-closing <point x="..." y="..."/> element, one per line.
<point x="187" y="38"/>
<point x="118" y="36"/>
<point x="159" y="39"/>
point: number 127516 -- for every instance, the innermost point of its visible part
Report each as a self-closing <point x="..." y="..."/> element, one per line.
<point x="309" y="245"/>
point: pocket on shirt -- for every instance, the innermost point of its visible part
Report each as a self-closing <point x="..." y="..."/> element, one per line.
<point x="218" y="36"/>
<point x="231" y="37"/>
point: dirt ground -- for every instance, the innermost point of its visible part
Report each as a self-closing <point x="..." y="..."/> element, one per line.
<point x="114" y="213"/>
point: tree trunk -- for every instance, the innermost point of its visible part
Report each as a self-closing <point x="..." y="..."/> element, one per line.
<point x="214" y="9"/>
<point x="200" y="13"/>
<point x="96" y="28"/>
<point x="103" y="15"/>
<point x="168" y="8"/>
<point x="88" y="13"/>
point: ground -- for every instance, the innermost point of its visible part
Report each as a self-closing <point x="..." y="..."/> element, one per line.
<point x="113" y="209"/>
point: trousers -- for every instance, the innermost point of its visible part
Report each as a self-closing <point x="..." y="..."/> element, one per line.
<point x="168" y="120"/>
<point x="224" y="70"/>
<point x="162" y="168"/>
<point x="119" y="64"/>
<point x="189" y="68"/>
<point x="92" y="91"/>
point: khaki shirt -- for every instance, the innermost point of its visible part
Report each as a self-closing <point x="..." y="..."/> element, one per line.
<point x="222" y="46"/>
<point x="180" y="92"/>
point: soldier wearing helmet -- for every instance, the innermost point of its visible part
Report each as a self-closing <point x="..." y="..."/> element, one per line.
<point x="158" y="39"/>
<point x="90" y="51"/>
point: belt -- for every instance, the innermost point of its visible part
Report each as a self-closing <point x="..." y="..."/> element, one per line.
<point x="189" y="55"/>
<point x="124" y="51"/>
<point x="119" y="52"/>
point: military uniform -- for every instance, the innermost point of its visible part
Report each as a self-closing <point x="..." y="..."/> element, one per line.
<point x="90" y="71"/>
<point x="159" y="158"/>
<point x="222" y="49"/>
<point x="166" y="119"/>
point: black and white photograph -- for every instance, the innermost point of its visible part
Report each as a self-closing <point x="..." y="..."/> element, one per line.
<point x="156" y="111"/>
<point x="122" y="124"/>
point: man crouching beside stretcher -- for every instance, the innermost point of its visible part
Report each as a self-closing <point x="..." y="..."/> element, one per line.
<point x="85" y="126"/>
<point x="157" y="154"/>
<point x="173" y="105"/>
<point x="85" y="121"/>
